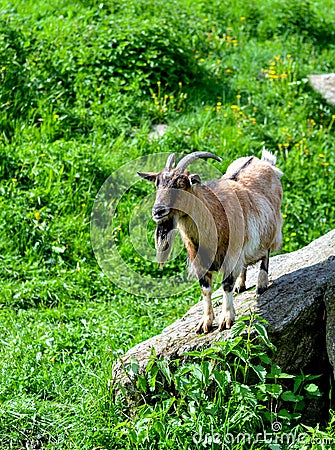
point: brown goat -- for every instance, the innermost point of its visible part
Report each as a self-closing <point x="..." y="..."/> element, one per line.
<point x="226" y="224"/>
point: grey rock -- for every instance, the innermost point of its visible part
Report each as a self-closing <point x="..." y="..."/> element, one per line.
<point x="324" y="84"/>
<point x="299" y="306"/>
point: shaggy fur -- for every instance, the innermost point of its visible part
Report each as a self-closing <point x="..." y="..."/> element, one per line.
<point x="226" y="224"/>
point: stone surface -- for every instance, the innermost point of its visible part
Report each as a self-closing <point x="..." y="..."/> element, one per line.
<point x="325" y="85"/>
<point x="299" y="306"/>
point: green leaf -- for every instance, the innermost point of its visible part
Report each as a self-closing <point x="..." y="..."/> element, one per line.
<point x="261" y="372"/>
<point x="289" y="396"/>
<point x="141" y="383"/>
<point x="263" y="334"/>
<point x="220" y="378"/>
<point x="165" y="369"/>
<point x="133" y="367"/>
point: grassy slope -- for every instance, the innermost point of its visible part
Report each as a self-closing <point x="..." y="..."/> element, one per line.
<point x="74" y="107"/>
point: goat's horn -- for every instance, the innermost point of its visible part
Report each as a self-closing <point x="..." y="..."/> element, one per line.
<point x="170" y="162"/>
<point x="188" y="159"/>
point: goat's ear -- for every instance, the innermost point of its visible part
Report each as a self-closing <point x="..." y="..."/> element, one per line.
<point x="194" y="178"/>
<point x="150" y="176"/>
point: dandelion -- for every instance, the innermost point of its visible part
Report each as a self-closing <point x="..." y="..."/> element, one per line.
<point x="228" y="71"/>
<point x="99" y="89"/>
<point x="287" y="239"/>
<point x="242" y="18"/>
<point x="14" y="180"/>
<point x="321" y="155"/>
<point x="37" y="215"/>
<point x="293" y="234"/>
<point x="235" y="107"/>
<point x="56" y="116"/>
<point x="284" y="216"/>
<point x="324" y="163"/>
<point x="202" y="60"/>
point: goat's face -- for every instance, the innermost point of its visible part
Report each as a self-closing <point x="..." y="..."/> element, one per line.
<point x="169" y="185"/>
<point x="173" y="189"/>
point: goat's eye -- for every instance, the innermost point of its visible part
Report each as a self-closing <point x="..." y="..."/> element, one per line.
<point x="179" y="183"/>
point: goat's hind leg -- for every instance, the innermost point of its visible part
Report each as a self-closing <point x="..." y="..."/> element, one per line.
<point x="227" y="316"/>
<point x="263" y="281"/>
<point x="206" y="321"/>
<point x="240" y="282"/>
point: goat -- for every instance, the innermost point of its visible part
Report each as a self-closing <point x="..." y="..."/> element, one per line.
<point x="226" y="224"/>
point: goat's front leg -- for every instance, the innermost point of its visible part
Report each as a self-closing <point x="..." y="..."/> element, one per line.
<point x="206" y="321"/>
<point x="227" y="316"/>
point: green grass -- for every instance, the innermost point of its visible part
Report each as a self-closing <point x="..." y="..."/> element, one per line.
<point x="81" y="84"/>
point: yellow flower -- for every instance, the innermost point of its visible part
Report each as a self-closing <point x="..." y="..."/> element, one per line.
<point x="56" y="116"/>
<point x="242" y="18"/>
<point x="228" y="71"/>
<point x="284" y="216"/>
<point x="235" y="107"/>
<point x="37" y="215"/>
<point x="287" y="239"/>
<point x="293" y="234"/>
<point x="321" y="155"/>
<point x="14" y="180"/>
<point x="324" y="163"/>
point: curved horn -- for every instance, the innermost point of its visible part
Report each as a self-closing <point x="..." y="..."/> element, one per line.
<point x="170" y="162"/>
<point x="188" y="159"/>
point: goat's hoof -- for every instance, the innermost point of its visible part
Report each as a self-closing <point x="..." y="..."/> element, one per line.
<point x="261" y="289"/>
<point x="240" y="289"/>
<point x="225" y="322"/>
<point x="205" y="325"/>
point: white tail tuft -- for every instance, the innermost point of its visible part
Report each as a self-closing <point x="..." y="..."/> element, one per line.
<point x="268" y="157"/>
<point x="271" y="159"/>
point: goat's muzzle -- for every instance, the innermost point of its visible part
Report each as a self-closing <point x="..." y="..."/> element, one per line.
<point x="160" y="213"/>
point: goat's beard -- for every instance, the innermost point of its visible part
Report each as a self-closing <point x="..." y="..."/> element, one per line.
<point x="164" y="237"/>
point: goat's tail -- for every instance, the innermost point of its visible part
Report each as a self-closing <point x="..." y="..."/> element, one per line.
<point x="271" y="159"/>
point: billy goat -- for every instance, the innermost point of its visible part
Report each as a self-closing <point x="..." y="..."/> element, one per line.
<point x="226" y="224"/>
